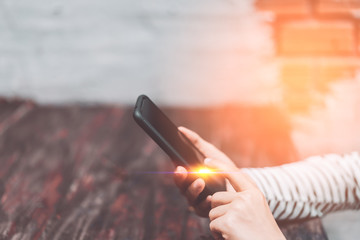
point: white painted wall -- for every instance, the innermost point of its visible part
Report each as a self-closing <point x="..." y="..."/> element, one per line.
<point x="179" y="52"/>
<point x="185" y="52"/>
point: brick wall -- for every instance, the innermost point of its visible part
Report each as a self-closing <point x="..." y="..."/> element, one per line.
<point x="317" y="43"/>
<point x="317" y="50"/>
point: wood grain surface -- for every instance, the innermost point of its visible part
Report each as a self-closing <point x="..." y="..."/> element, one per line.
<point x="77" y="172"/>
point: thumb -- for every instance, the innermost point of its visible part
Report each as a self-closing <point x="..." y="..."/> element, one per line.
<point x="238" y="179"/>
<point x="194" y="138"/>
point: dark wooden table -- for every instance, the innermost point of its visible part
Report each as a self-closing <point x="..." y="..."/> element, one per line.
<point x="75" y="172"/>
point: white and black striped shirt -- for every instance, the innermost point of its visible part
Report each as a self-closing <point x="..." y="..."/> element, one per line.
<point x="310" y="188"/>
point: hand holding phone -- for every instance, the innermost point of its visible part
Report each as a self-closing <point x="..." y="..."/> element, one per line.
<point x="179" y="148"/>
<point x="192" y="191"/>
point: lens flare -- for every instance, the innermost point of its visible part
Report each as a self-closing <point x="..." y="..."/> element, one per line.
<point x="203" y="172"/>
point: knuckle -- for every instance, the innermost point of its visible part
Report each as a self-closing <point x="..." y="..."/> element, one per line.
<point x="216" y="196"/>
<point x="211" y="214"/>
<point x="212" y="226"/>
<point x="237" y="204"/>
<point x="228" y="221"/>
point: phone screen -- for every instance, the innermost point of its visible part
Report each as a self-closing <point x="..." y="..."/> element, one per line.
<point x="167" y="135"/>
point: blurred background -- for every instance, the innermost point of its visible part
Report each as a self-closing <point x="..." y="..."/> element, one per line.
<point x="291" y="66"/>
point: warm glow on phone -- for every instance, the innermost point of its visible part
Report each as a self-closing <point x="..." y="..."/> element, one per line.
<point x="203" y="171"/>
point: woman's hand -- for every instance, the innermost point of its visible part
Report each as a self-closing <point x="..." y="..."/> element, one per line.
<point x="193" y="190"/>
<point x="243" y="214"/>
<point x="239" y="213"/>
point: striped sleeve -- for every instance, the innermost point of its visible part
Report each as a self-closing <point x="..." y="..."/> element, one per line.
<point x="310" y="188"/>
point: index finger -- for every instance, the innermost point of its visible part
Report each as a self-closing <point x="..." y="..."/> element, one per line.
<point x="238" y="179"/>
<point x="195" y="139"/>
<point x="222" y="198"/>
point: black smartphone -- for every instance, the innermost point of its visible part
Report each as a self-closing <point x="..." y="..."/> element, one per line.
<point x="179" y="148"/>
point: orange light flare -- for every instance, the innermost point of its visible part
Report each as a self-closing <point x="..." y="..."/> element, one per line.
<point x="203" y="171"/>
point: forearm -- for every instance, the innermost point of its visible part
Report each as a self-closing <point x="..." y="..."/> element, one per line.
<point x="310" y="188"/>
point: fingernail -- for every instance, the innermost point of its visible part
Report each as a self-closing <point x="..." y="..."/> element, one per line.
<point x="178" y="170"/>
<point x="207" y="161"/>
